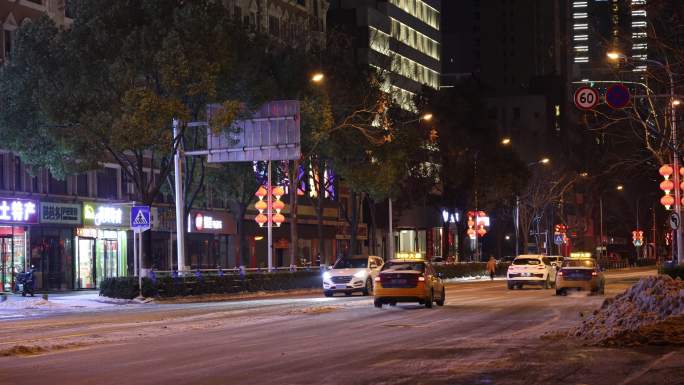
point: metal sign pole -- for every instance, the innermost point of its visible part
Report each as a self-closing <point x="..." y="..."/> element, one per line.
<point x="270" y="219"/>
<point x="180" y="235"/>
<point x="139" y="260"/>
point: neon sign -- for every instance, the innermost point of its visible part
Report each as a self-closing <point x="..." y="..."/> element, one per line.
<point x="104" y="215"/>
<point x="18" y="211"/>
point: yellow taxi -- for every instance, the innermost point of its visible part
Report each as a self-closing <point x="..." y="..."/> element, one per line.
<point x="581" y="274"/>
<point x="408" y="280"/>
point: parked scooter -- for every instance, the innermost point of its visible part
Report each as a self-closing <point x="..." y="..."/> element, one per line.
<point x="25" y="282"/>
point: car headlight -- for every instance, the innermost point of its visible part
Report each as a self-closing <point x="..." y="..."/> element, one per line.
<point x="361" y="274"/>
<point x="326" y="275"/>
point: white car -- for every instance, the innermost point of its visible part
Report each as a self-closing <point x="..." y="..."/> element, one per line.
<point x="531" y="269"/>
<point x="352" y="274"/>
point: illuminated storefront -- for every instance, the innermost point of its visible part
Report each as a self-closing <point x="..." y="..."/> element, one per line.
<point x="209" y="234"/>
<point x="16" y="216"/>
<point x="101" y="250"/>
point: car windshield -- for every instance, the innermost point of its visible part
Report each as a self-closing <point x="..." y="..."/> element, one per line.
<point x="579" y="263"/>
<point x="351" y="264"/>
<point x="526" y="261"/>
<point x="399" y="266"/>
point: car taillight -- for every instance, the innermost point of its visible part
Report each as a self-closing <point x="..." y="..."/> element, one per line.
<point x="560" y="273"/>
<point x="421" y="279"/>
<point x="594" y="274"/>
<point x="377" y="279"/>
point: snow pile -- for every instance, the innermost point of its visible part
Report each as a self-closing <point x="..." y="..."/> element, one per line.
<point x="30" y="304"/>
<point x="649" y="312"/>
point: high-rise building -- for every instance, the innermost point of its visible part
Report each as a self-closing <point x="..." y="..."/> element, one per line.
<point x="401" y="38"/>
<point x="599" y="26"/>
<point x="296" y="23"/>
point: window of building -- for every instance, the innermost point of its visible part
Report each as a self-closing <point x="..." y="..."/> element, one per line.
<point x="18" y="174"/>
<point x="237" y="13"/>
<point x="516" y="113"/>
<point x="8" y="42"/>
<point x="2" y="172"/>
<point x="82" y="185"/>
<point x="56" y="186"/>
<point x="302" y="2"/>
<point x="107" y="183"/>
<point x="274" y="26"/>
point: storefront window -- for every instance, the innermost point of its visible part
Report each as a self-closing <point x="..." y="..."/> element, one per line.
<point x="51" y="254"/>
<point x="12" y="254"/>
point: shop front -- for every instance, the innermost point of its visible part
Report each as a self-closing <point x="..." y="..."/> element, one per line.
<point x="101" y="244"/>
<point x="16" y="218"/>
<point x="209" y="239"/>
<point x="52" y="245"/>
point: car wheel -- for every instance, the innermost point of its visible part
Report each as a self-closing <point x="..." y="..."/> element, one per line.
<point x="368" y="289"/>
<point x="429" y="300"/>
<point x="510" y="286"/>
<point x="440" y="301"/>
<point x="559" y="291"/>
<point x="328" y="293"/>
<point x="377" y="303"/>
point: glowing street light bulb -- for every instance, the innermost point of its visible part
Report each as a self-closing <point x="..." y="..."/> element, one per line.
<point x="545" y="160"/>
<point x="317" y="77"/>
<point x="620" y="187"/>
<point x="614" y="55"/>
<point x="506" y="141"/>
<point x="427" y="117"/>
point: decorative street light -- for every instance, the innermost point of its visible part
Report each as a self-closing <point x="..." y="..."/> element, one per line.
<point x="271" y="207"/>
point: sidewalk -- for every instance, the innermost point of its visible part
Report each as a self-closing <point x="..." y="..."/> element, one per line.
<point x="17" y="306"/>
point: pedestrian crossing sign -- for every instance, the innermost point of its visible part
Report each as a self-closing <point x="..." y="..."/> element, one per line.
<point x="140" y="218"/>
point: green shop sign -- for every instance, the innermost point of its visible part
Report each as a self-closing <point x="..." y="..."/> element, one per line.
<point x="103" y="215"/>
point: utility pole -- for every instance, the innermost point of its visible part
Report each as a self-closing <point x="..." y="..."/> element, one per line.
<point x="517" y="224"/>
<point x="390" y="235"/>
<point x="180" y="202"/>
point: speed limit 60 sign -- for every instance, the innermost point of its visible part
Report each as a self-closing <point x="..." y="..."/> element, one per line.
<point x="586" y="98"/>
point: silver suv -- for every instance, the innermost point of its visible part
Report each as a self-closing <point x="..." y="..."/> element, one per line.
<point x="352" y="274"/>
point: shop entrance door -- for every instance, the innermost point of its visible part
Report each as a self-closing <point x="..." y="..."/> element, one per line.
<point x="85" y="264"/>
<point x="6" y="264"/>
<point x="111" y="260"/>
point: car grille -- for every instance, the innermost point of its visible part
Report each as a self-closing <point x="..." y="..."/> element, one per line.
<point x="399" y="280"/>
<point x="341" y="279"/>
<point x="577" y="274"/>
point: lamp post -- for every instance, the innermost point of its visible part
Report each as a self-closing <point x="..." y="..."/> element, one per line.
<point x="543" y="161"/>
<point x="390" y="232"/>
<point x="673" y="102"/>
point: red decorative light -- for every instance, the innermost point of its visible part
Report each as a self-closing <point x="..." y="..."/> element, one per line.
<point x="667" y="186"/>
<point x="278" y="218"/>
<point x="481" y="231"/>
<point x="471" y="233"/>
<point x="278" y="191"/>
<point x="261" y="219"/>
<point x="261" y="206"/>
<point x="667" y="200"/>
<point x="278" y="206"/>
<point x="666" y="170"/>
<point x="261" y="192"/>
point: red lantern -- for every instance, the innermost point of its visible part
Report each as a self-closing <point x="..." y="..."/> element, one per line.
<point x="261" y="206"/>
<point x="667" y="186"/>
<point x="471" y="223"/>
<point x="278" y="205"/>
<point x="471" y="233"/>
<point x="261" y="219"/>
<point x="481" y="231"/>
<point x="261" y="192"/>
<point x="278" y="219"/>
<point x="667" y="200"/>
<point x="681" y="171"/>
<point x="481" y="214"/>
<point x="666" y="170"/>
<point x="278" y="191"/>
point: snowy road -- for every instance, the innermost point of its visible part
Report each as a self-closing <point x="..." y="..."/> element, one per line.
<point x="485" y="334"/>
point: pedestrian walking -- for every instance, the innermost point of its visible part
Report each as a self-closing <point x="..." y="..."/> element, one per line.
<point x="491" y="267"/>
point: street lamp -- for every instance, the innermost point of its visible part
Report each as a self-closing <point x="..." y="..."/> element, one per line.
<point x="506" y="141"/>
<point x="543" y="161"/>
<point x="317" y="77"/>
<point x="614" y="55"/>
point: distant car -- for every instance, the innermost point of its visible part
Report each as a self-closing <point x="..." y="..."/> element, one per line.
<point x="409" y="280"/>
<point x="437" y="261"/>
<point x="530" y="269"/>
<point x="556" y="261"/>
<point x="580" y="274"/>
<point x="352" y="274"/>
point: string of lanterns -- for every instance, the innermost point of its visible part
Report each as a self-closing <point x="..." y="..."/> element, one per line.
<point x="276" y="205"/>
<point x="476" y="224"/>
<point x="668" y="185"/>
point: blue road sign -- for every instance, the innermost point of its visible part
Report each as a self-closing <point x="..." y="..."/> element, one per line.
<point x="140" y="217"/>
<point x="617" y="96"/>
<point x="558" y="239"/>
